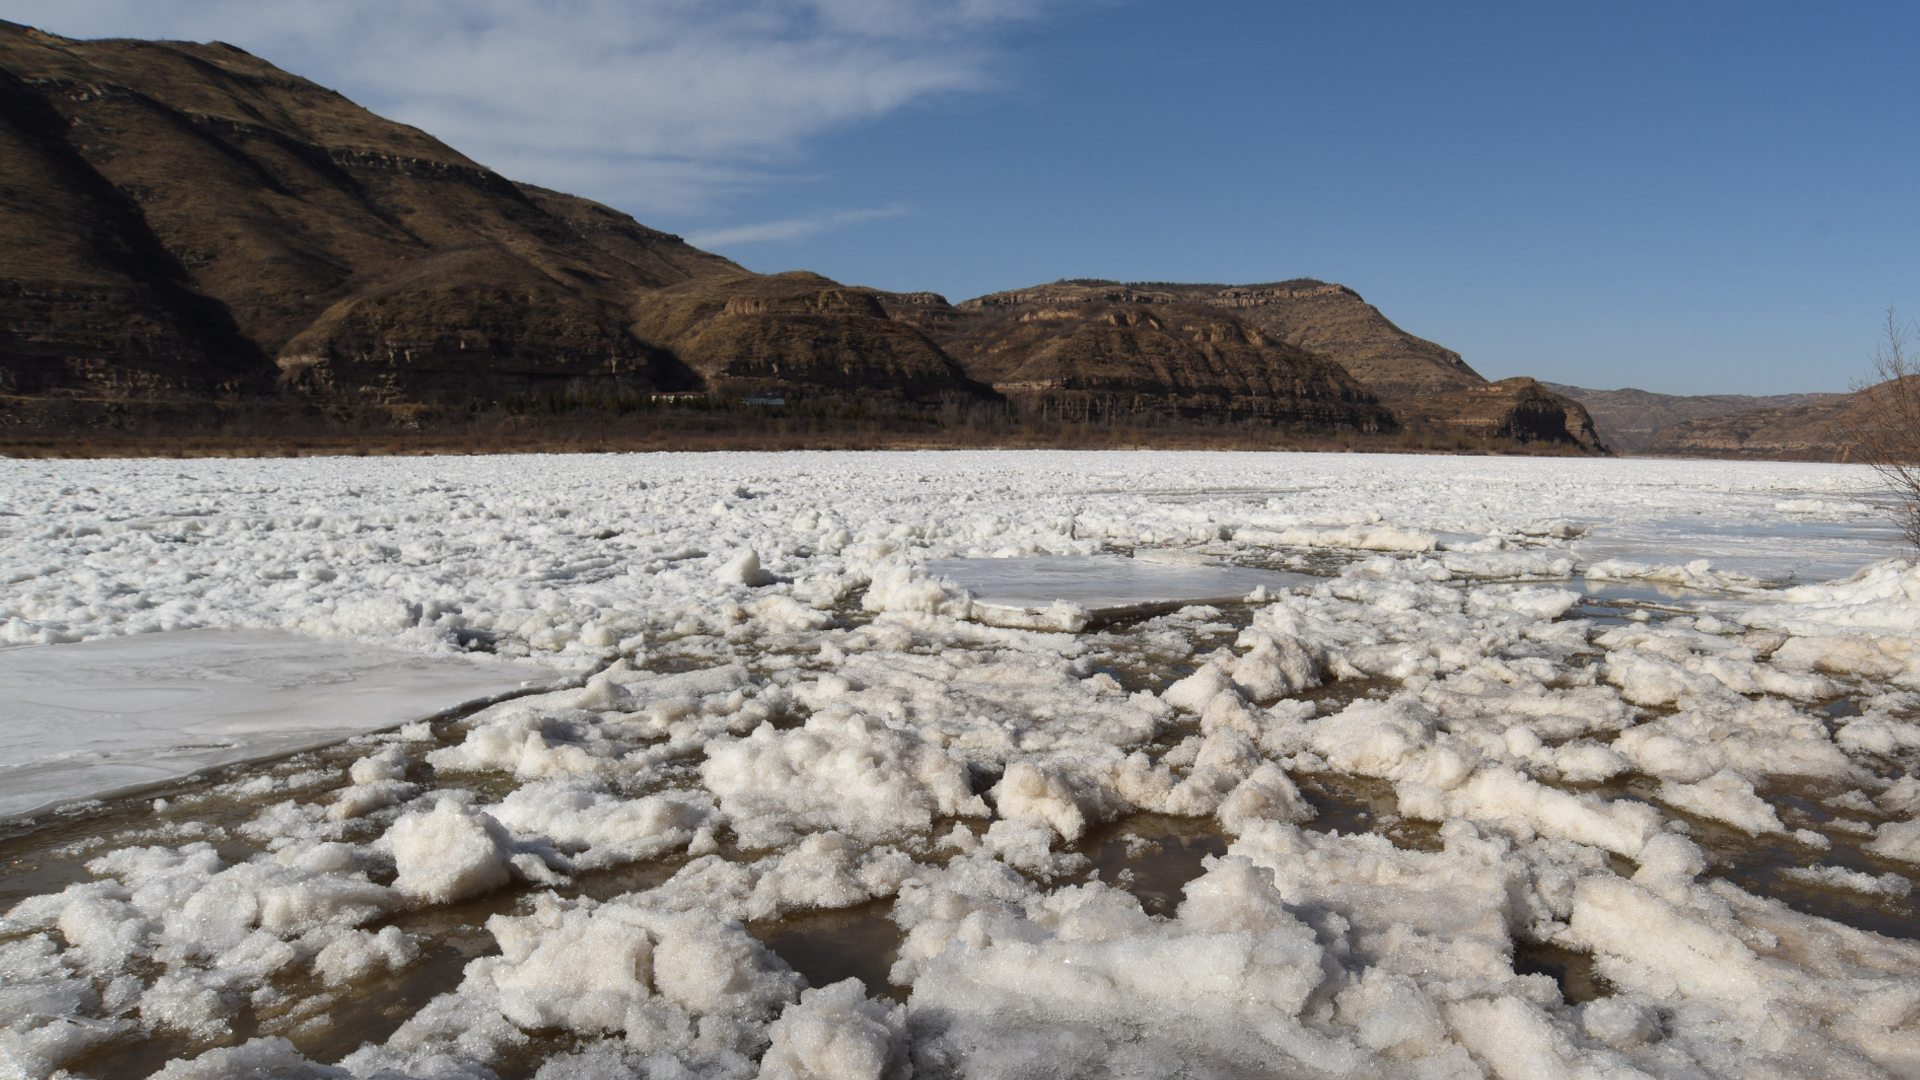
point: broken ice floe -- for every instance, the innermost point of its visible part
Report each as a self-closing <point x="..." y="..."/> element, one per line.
<point x="90" y="719"/>
<point x="1067" y="592"/>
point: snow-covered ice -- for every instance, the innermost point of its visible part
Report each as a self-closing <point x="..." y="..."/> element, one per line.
<point x="85" y="720"/>
<point x="1453" y="767"/>
<point x="1065" y="592"/>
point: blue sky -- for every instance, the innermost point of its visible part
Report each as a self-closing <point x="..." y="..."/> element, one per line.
<point x="1700" y="198"/>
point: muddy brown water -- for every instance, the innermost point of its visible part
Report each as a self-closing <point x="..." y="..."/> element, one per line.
<point x="829" y="946"/>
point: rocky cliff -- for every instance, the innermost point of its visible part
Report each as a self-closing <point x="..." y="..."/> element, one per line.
<point x="188" y="220"/>
<point x="1092" y="358"/>
<point x="1052" y="337"/>
<point x="764" y="334"/>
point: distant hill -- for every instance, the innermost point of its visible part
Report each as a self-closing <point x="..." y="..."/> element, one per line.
<point x="1082" y="355"/>
<point x="1026" y="341"/>
<point x="1811" y="432"/>
<point x="1630" y="420"/>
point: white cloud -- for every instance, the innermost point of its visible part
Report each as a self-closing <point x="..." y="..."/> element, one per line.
<point x="790" y="229"/>
<point x="654" y="105"/>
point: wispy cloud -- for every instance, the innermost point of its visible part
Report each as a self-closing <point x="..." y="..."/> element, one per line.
<point x="656" y="105"/>
<point x="792" y="228"/>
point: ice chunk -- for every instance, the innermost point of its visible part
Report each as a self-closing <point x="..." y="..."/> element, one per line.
<point x="1725" y="796"/>
<point x="1082" y="981"/>
<point x="357" y="953"/>
<point x="1891" y="886"/>
<point x="448" y="852"/>
<point x="850" y="773"/>
<point x="1896" y="840"/>
<point x="743" y="569"/>
<point x="274" y="1057"/>
<point x="570" y="967"/>
<point x="1062" y="798"/>
<point x="612" y="830"/>
<point x="837" y="1033"/>
<point x="1017" y="592"/>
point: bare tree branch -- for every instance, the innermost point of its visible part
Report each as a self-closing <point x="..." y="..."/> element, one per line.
<point x="1885" y="425"/>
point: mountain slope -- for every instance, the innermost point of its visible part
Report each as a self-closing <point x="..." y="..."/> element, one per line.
<point x="761" y="334"/>
<point x="1097" y="359"/>
<point x="352" y="254"/>
<point x="1816" y="431"/>
<point x="87" y="293"/>
<point x="188" y="219"/>
<point x="1629" y="420"/>
<point x="1294" y="325"/>
<point x="185" y="223"/>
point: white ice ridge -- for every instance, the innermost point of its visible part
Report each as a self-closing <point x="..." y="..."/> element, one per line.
<point x="92" y="719"/>
<point x="1432" y="758"/>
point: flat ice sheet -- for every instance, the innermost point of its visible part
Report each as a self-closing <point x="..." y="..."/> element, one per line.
<point x="1777" y="540"/>
<point x="1105" y="586"/>
<point x="98" y="717"/>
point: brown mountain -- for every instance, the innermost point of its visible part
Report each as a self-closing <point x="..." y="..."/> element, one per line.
<point x="1053" y="338"/>
<point x="1629" y="420"/>
<point x="183" y="219"/>
<point x="760" y="334"/>
<point x="184" y="223"/>
<point x="1092" y="358"/>
<point x="1816" y="431"/>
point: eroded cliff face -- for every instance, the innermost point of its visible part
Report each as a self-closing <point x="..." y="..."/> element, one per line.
<point x="1103" y="360"/>
<point x="1239" y="351"/>
<point x="799" y="334"/>
<point x="1519" y="408"/>
<point x="192" y="220"/>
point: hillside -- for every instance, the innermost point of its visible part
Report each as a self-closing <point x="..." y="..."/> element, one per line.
<point x="760" y="334"/>
<point x="189" y="220"/>
<point x="1629" y="420"/>
<point x="1043" y="338"/>
<point x="1811" y="432"/>
<point x="1100" y="360"/>
<point x="191" y="238"/>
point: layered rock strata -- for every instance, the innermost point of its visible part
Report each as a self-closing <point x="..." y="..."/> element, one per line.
<point x="1629" y="420"/>
<point x="1812" y="432"/>
<point x="188" y="220"/>
<point x="1239" y="343"/>
<point x="1102" y="361"/>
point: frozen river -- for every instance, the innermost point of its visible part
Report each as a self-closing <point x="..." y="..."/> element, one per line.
<point x="996" y="764"/>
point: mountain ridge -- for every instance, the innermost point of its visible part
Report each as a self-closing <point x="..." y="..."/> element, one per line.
<point x="1423" y="385"/>
<point x="189" y="222"/>
<point x="1631" y="420"/>
<point x="1814" y="431"/>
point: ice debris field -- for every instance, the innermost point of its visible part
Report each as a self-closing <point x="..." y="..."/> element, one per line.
<point x="1465" y="767"/>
